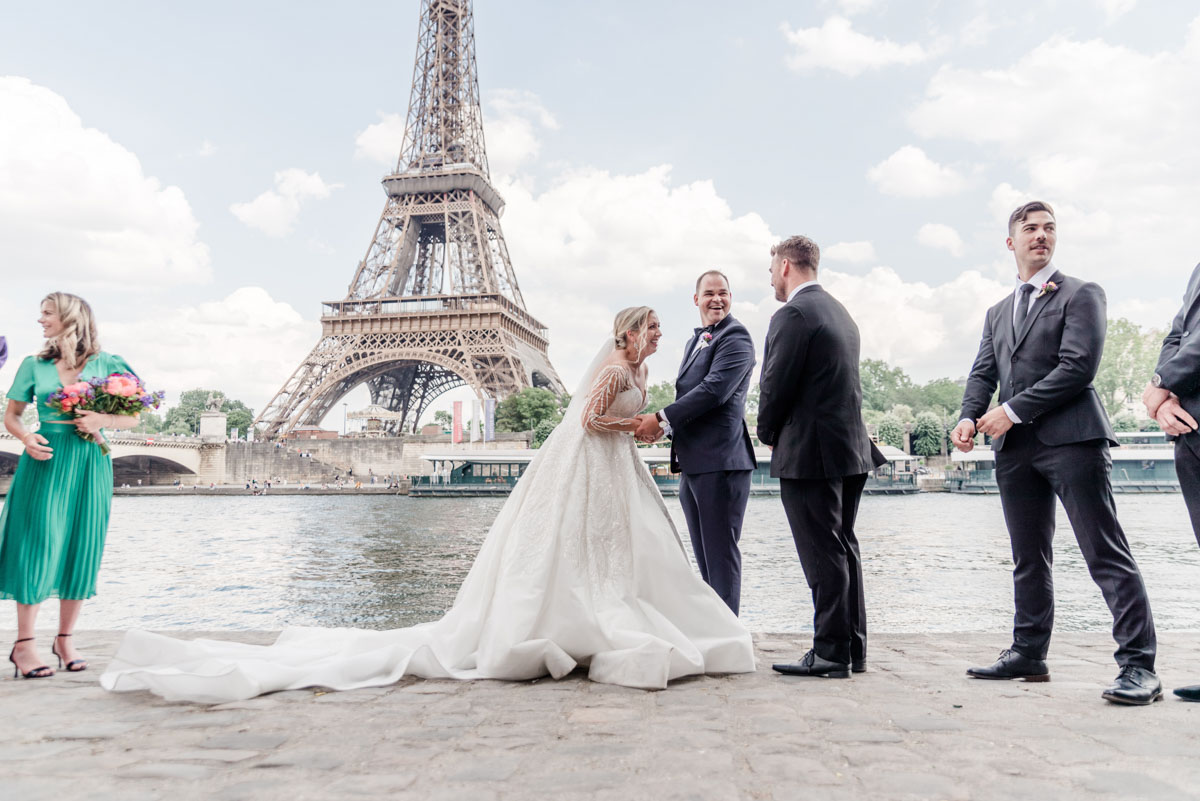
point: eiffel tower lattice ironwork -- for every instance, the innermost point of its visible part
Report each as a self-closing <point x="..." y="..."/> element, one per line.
<point x="435" y="304"/>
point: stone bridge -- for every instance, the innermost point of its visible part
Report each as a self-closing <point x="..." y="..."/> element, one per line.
<point x="154" y="460"/>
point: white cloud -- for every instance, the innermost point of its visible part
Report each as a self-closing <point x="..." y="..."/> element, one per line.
<point x="941" y="237"/>
<point x="838" y="47"/>
<point x="853" y="7"/>
<point x="1113" y="9"/>
<point x="910" y="173"/>
<point x="260" y="342"/>
<point x="76" y="205"/>
<point x="930" y="331"/>
<point x="274" y="212"/>
<point x="849" y="252"/>
<point x="381" y="141"/>
<point x="1100" y="132"/>
<point x="512" y="127"/>
<point x="594" y="242"/>
<point x="207" y="149"/>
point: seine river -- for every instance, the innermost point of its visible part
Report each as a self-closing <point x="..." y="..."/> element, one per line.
<point x="934" y="563"/>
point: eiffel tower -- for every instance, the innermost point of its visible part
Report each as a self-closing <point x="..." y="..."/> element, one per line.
<point x="435" y="304"/>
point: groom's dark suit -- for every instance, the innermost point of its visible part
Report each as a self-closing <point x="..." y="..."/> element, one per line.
<point x="711" y="447"/>
<point x="1179" y="369"/>
<point x="810" y="411"/>
<point x="1044" y="373"/>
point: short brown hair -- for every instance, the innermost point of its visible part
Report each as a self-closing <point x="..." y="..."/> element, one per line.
<point x="712" y="272"/>
<point x="799" y="250"/>
<point x="1022" y="212"/>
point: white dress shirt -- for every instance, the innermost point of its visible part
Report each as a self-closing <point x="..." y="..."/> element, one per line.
<point x="1036" y="281"/>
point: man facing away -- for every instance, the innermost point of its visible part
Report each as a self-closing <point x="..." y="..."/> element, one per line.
<point x="1173" y="399"/>
<point x="1041" y="346"/>
<point x="810" y="413"/>
<point x="710" y="445"/>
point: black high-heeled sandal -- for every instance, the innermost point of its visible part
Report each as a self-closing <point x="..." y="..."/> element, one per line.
<point x="70" y="665"/>
<point x="42" y="672"/>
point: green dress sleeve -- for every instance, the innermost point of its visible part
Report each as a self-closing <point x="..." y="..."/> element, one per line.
<point x="118" y="365"/>
<point x="22" y="387"/>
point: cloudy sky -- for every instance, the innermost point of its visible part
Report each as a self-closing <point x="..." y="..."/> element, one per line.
<point x="207" y="173"/>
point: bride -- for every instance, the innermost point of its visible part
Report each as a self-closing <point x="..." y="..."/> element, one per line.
<point x="582" y="566"/>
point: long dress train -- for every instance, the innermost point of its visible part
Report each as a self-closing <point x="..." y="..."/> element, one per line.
<point x="582" y="566"/>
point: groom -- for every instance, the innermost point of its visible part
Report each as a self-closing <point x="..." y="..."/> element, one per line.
<point x="710" y="445"/>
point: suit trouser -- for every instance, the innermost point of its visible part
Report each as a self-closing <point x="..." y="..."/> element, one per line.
<point x="1187" y="466"/>
<point x="1030" y="474"/>
<point x="821" y="514"/>
<point x="714" y="505"/>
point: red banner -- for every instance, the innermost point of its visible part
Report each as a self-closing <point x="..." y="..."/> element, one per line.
<point x="456" y="434"/>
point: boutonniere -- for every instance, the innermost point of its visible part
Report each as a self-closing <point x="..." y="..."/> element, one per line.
<point x="1047" y="288"/>
<point x="705" y="339"/>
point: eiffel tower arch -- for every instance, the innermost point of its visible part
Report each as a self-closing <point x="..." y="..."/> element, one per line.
<point x="435" y="303"/>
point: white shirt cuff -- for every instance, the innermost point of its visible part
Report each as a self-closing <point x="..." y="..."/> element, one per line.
<point x="1011" y="414"/>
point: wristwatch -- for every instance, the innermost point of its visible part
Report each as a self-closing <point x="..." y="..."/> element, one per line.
<point x="658" y="416"/>
<point x="1156" y="381"/>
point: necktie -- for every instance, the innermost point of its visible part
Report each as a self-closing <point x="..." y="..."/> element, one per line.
<point x="1022" y="308"/>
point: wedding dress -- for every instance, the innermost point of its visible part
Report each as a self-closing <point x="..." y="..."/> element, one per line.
<point x="582" y="567"/>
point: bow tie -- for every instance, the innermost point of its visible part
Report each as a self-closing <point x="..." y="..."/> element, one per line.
<point x="705" y="329"/>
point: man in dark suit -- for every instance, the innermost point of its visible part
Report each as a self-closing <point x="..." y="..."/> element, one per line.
<point x="710" y="445"/>
<point x="1042" y="346"/>
<point x="810" y="413"/>
<point x="1173" y="399"/>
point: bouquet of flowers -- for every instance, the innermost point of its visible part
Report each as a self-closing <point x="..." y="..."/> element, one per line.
<point x="120" y="394"/>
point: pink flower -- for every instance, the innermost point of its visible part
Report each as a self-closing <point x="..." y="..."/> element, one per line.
<point x="77" y="389"/>
<point x="123" y="386"/>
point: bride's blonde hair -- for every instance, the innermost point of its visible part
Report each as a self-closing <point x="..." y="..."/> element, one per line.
<point x="78" y="341"/>
<point x="632" y="319"/>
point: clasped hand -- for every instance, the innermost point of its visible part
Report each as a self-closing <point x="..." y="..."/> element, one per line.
<point x="648" y="429"/>
<point x="90" y="423"/>
<point x="994" y="423"/>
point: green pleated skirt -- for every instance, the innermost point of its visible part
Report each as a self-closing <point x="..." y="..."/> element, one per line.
<point x="54" y="521"/>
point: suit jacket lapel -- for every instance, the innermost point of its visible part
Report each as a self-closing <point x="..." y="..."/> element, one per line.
<point x="1006" y="323"/>
<point x="688" y="354"/>
<point x="1039" y="303"/>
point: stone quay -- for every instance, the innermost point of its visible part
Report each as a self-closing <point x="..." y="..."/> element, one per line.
<point x="912" y="727"/>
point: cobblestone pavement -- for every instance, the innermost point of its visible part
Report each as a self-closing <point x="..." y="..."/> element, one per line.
<point x="912" y="727"/>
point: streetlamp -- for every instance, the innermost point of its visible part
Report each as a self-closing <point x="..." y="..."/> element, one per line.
<point x="344" y="407"/>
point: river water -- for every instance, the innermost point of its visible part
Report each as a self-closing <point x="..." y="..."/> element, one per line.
<point x="933" y="562"/>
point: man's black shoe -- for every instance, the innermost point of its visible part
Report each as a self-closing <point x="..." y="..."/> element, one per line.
<point x="1189" y="693"/>
<point x="858" y="666"/>
<point x="813" y="665"/>
<point x="1012" y="665"/>
<point x="1135" y="686"/>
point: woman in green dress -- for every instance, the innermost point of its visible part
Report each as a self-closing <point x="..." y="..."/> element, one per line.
<point x="55" y="517"/>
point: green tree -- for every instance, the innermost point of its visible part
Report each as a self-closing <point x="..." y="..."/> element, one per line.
<point x="444" y="419"/>
<point x="659" y="396"/>
<point x="1125" y="422"/>
<point x="891" y="432"/>
<point x="943" y="396"/>
<point x="184" y="417"/>
<point x="928" y="435"/>
<point x="1128" y="362"/>
<point x="524" y="410"/>
<point x="903" y="413"/>
<point x="883" y="386"/>
<point x="150" y="423"/>
<point x="543" y="430"/>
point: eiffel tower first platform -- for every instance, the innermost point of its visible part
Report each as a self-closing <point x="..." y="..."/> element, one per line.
<point x="435" y="304"/>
